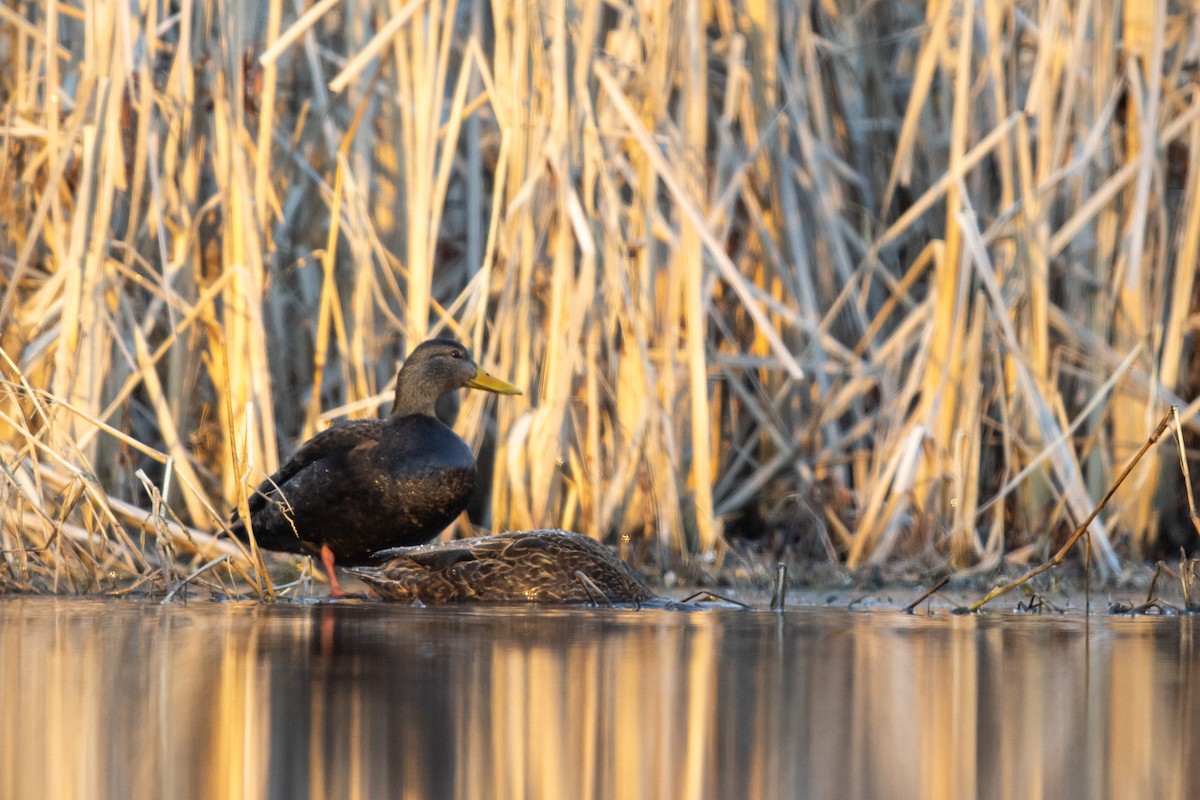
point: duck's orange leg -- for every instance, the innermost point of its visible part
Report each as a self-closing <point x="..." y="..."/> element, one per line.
<point x="335" y="588"/>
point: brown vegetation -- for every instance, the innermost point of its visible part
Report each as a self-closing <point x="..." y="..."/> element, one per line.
<point x="900" y="279"/>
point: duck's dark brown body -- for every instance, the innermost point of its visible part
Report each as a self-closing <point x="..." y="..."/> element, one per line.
<point x="366" y="485"/>
<point x="541" y="566"/>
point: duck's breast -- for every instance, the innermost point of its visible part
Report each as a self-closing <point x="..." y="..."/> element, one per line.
<point x="422" y="475"/>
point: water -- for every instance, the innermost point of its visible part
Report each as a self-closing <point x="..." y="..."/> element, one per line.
<point x="107" y="699"/>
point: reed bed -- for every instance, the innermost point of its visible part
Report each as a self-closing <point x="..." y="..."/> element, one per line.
<point x="867" y="283"/>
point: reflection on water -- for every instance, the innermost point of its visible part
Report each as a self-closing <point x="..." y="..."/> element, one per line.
<point x="123" y="700"/>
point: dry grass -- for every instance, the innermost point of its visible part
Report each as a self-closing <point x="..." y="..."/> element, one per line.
<point x="911" y="280"/>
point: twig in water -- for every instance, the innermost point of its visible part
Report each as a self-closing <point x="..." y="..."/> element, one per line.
<point x="1083" y="526"/>
<point x="1158" y="569"/>
<point x="1087" y="573"/>
<point x="171" y="594"/>
<point x="1161" y="606"/>
<point x="911" y="607"/>
<point x="714" y="596"/>
<point x="1187" y="576"/>
<point x="780" y="594"/>
<point x="1037" y="603"/>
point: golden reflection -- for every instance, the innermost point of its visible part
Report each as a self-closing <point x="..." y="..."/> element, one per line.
<point x="121" y="700"/>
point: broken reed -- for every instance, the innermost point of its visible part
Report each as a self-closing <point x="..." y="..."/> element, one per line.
<point x="933" y="259"/>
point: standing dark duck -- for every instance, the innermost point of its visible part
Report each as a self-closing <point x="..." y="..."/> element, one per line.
<point x="367" y="485"/>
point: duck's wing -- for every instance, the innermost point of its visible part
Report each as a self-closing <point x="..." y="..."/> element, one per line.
<point x="340" y="438"/>
<point x="441" y="558"/>
<point x="538" y="566"/>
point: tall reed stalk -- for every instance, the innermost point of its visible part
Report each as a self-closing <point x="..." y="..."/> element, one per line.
<point x="895" y="280"/>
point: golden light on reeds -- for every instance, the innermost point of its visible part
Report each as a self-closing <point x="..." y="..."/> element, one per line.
<point x="743" y="257"/>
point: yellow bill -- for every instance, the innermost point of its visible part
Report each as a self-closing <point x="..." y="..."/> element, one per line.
<point x="490" y="383"/>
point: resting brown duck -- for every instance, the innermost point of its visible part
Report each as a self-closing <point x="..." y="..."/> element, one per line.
<point x="540" y="566"/>
<point x="366" y="485"/>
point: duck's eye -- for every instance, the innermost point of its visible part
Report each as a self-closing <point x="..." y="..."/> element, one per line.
<point x="456" y="353"/>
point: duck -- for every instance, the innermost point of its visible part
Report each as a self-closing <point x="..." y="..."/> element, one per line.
<point x="368" y="485"/>
<point x="551" y="567"/>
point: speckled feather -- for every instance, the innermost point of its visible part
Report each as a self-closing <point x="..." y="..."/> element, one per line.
<point x="543" y="566"/>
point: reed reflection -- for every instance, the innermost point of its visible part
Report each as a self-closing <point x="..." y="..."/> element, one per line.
<point x="341" y="701"/>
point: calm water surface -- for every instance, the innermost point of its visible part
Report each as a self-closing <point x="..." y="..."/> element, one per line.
<point x="107" y="699"/>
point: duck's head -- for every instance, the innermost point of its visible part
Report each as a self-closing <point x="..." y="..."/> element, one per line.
<point x="436" y="367"/>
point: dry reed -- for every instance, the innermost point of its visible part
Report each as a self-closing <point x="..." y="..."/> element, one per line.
<point x="903" y="280"/>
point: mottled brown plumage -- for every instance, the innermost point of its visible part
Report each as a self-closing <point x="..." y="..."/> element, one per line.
<point x="540" y="566"/>
<point x="363" y="486"/>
